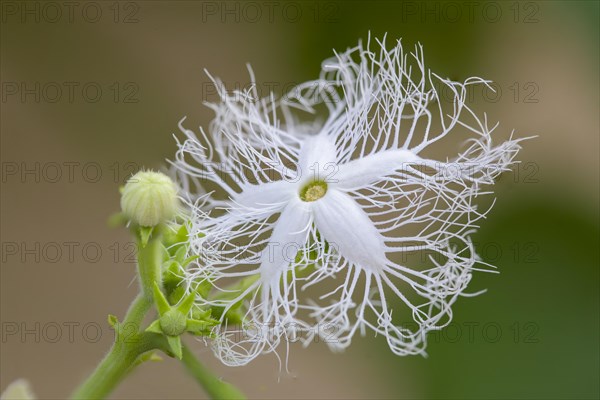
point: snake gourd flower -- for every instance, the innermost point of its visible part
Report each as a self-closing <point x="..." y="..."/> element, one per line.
<point x="320" y="200"/>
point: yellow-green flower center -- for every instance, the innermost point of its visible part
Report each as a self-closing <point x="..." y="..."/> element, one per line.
<point x="313" y="191"/>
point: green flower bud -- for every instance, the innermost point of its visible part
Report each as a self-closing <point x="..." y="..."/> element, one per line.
<point x="149" y="198"/>
<point x="173" y="322"/>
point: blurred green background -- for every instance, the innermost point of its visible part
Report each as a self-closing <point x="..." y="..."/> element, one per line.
<point x="137" y="67"/>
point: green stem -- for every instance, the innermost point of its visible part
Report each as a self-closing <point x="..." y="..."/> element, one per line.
<point x="214" y="386"/>
<point x="130" y="341"/>
<point x="149" y="264"/>
<point x="137" y="311"/>
<point x="123" y="355"/>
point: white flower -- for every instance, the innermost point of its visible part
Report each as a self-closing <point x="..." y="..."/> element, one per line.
<point x="355" y="211"/>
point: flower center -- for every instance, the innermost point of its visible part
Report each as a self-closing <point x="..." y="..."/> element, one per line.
<point x="313" y="191"/>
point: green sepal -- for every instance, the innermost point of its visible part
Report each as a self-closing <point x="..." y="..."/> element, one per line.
<point x="172" y="276"/>
<point x="201" y="314"/>
<point x="179" y="256"/>
<point x="168" y="237"/>
<point x="233" y="316"/>
<point x="174" y="343"/>
<point x="186" y="304"/>
<point x="182" y="234"/>
<point x="203" y="328"/>
<point x="176" y="240"/>
<point x="155" y="327"/>
<point x="145" y="232"/>
<point x="176" y="294"/>
<point x="171" y="267"/>
<point x="203" y="288"/>
<point x="171" y="314"/>
<point x="159" y="299"/>
<point x="188" y="260"/>
<point x="234" y="290"/>
<point x="113" y="321"/>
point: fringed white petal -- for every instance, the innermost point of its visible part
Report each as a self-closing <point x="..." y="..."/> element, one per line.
<point x="365" y="171"/>
<point x="288" y="237"/>
<point x="317" y="158"/>
<point x="348" y="229"/>
<point x="264" y="199"/>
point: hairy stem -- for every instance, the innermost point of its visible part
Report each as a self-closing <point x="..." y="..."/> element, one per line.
<point x="149" y="264"/>
<point x="123" y="355"/>
<point x="132" y="342"/>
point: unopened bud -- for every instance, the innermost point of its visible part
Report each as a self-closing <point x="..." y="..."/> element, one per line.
<point x="149" y="198"/>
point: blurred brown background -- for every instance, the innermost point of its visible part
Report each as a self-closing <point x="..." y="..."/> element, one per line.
<point x="92" y="92"/>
